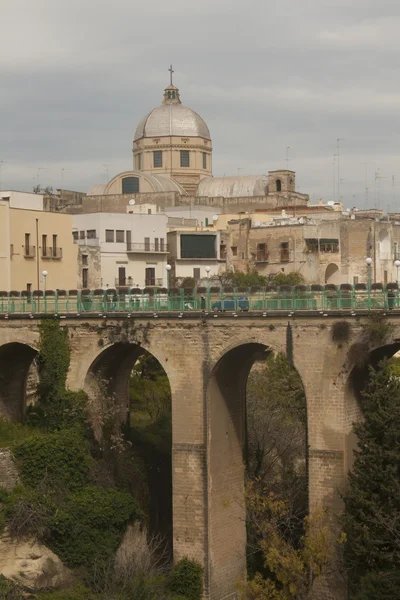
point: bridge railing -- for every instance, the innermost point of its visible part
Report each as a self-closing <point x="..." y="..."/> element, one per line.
<point x="311" y="297"/>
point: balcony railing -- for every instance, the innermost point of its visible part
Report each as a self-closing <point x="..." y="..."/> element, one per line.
<point x="154" y="282"/>
<point x="56" y="253"/>
<point x="29" y="251"/>
<point x="87" y="241"/>
<point x="136" y="247"/>
<point x="191" y="254"/>
<point x="123" y="281"/>
<point x="52" y="252"/>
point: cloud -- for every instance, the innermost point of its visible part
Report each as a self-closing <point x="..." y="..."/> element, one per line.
<point x="76" y="77"/>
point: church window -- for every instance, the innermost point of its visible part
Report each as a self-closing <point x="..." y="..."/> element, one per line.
<point x="130" y="185"/>
<point x="185" y="158"/>
<point x="278" y="185"/>
<point x="204" y="160"/>
<point x="138" y="162"/>
<point x="157" y="159"/>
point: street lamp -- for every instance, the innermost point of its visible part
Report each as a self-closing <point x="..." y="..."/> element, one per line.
<point x="168" y="269"/>
<point x="397" y="265"/>
<point x="44" y="275"/>
<point x="368" y="262"/>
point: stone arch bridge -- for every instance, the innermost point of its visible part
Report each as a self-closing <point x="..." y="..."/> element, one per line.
<point x="207" y="360"/>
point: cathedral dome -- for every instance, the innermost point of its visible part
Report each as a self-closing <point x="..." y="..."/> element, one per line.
<point x="172" y="118"/>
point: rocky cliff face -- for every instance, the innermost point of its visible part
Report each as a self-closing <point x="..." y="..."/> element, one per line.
<point x="8" y="470"/>
<point x="31" y="564"/>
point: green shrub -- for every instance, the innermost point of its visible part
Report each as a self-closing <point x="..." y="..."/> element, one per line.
<point x="13" y="433"/>
<point x="60" y="458"/>
<point x="341" y="331"/>
<point x="88" y="527"/>
<point x="186" y="579"/>
<point x="8" y="590"/>
<point x="26" y="512"/>
<point x="78" y="592"/>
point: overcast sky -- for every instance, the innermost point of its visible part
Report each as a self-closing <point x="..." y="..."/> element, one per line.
<point x="77" y="76"/>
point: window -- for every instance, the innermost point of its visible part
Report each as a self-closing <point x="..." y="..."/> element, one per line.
<point x="149" y="211"/>
<point x="278" y="185"/>
<point x="157" y="159"/>
<point x="196" y="274"/>
<point x="54" y="242"/>
<point x="156" y="244"/>
<point x="328" y="245"/>
<point x="75" y="235"/>
<point x="29" y="288"/>
<point x="204" y="160"/>
<point x="84" y="260"/>
<point x="355" y="280"/>
<point x="85" y="278"/>
<point x="198" y="246"/>
<point x="147" y="243"/>
<point x="120" y="236"/>
<point x="150" y="276"/>
<point x="396" y="250"/>
<point x="27" y="242"/>
<point x="121" y="276"/>
<point x="234" y="250"/>
<point x="128" y="238"/>
<point x="311" y="245"/>
<point x="185" y="158"/>
<point x="109" y="235"/>
<point x="138" y="162"/>
<point x="91" y="234"/>
<point x="161" y="244"/>
<point x="262" y="254"/>
<point x="130" y="185"/>
<point x="285" y="252"/>
<point x="206" y="222"/>
<point x="81" y="235"/>
<point x="44" y="245"/>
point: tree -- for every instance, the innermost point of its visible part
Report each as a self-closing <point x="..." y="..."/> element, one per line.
<point x="290" y="572"/>
<point x="149" y="390"/>
<point x="372" y="517"/>
<point x="240" y="278"/>
<point x="294" y="278"/>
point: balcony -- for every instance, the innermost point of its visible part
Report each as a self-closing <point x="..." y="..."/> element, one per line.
<point x="29" y="251"/>
<point x="154" y="282"/>
<point x="123" y="281"/>
<point x="134" y="247"/>
<point x="54" y="253"/>
<point x="87" y="241"/>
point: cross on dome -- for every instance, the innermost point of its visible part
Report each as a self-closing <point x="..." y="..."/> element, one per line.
<point x="171" y="93"/>
<point x="171" y="71"/>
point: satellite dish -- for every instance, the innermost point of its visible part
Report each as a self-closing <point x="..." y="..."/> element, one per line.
<point x="330" y="203"/>
<point x="215" y="218"/>
<point x="132" y="202"/>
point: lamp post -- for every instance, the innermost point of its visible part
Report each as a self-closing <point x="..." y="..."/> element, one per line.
<point x="44" y="275"/>
<point x="168" y="269"/>
<point x="368" y="262"/>
<point x="397" y="265"/>
<point x="208" y="269"/>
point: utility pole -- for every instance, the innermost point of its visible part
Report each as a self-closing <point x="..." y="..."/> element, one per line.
<point x="366" y="185"/>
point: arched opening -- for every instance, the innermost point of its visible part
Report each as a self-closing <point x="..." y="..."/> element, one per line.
<point x="130" y="185"/>
<point x="358" y="380"/>
<point x="332" y="274"/>
<point x="15" y="363"/>
<point x="237" y="438"/>
<point x="130" y="397"/>
<point x="278" y="185"/>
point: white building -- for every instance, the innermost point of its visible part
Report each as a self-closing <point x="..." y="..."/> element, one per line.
<point x="121" y="249"/>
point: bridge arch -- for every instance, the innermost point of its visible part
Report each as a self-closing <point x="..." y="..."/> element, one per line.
<point x="226" y="447"/>
<point x="357" y="381"/>
<point x="16" y="359"/>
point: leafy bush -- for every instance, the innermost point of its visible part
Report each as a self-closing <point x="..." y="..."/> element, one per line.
<point x="12" y="433"/>
<point x="8" y="590"/>
<point x="61" y="458"/>
<point x="186" y="579"/>
<point x="341" y="331"/>
<point x="88" y="526"/>
<point x="25" y="512"/>
<point x="78" y="592"/>
<point x="376" y="329"/>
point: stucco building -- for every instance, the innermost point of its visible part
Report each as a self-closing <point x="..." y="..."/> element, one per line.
<point x="33" y="241"/>
<point x="325" y="247"/>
